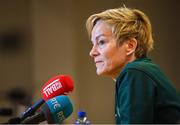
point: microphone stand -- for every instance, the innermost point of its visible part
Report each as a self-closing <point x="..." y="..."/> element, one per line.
<point x="30" y="111"/>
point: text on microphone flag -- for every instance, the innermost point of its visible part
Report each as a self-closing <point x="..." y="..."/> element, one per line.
<point x="52" y="87"/>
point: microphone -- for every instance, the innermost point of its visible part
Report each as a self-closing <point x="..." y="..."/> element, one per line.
<point x="55" y="110"/>
<point x="61" y="84"/>
<point x="57" y="85"/>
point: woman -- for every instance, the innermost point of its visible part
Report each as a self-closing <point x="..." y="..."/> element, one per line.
<point x="122" y="39"/>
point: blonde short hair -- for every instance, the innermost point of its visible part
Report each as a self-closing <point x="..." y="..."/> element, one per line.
<point x="127" y="23"/>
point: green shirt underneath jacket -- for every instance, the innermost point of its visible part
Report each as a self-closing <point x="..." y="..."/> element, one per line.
<point x="145" y="95"/>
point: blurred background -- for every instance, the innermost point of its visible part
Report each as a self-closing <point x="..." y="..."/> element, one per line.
<point x="43" y="38"/>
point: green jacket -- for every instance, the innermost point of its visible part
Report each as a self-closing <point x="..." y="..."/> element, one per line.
<point x="145" y="95"/>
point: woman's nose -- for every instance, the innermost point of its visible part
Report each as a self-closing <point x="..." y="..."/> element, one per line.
<point x="93" y="52"/>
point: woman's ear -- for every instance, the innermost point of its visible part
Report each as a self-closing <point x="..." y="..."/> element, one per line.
<point x="131" y="45"/>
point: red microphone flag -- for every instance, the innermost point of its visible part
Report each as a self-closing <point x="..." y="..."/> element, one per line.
<point x="58" y="85"/>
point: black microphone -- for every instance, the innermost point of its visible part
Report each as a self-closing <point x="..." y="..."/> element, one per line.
<point x="55" y="110"/>
<point x="31" y="110"/>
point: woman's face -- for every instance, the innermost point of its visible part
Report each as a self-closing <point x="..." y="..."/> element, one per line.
<point x="108" y="57"/>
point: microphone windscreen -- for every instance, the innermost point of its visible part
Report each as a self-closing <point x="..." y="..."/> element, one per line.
<point x="58" y="85"/>
<point x="59" y="107"/>
<point x="68" y="83"/>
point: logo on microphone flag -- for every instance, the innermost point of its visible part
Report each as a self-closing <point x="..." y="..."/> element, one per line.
<point x="52" y="87"/>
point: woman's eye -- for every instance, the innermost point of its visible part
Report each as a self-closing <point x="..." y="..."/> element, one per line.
<point x="101" y="42"/>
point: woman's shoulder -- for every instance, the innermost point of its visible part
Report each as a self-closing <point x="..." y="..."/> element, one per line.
<point x="142" y="64"/>
<point x="146" y="68"/>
